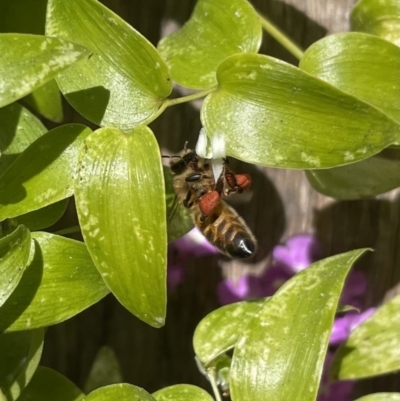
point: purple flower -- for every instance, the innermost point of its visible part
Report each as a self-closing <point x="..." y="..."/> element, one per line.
<point x="296" y="254"/>
<point x="344" y="325"/>
<point x="337" y="391"/>
<point x="251" y="287"/>
<point x="299" y="252"/>
<point x="191" y="245"/>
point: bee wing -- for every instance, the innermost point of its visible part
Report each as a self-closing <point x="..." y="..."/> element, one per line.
<point x="179" y="221"/>
<point x="173" y="210"/>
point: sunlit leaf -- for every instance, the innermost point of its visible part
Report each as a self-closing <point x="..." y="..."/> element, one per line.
<point x="14" y="255"/>
<point x="104" y="371"/>
<point x="182" y="392"/>
<point x="125" y="392"/>
<point x="18" y="129"/>
<point x="362" y="65"/>
<point x="280" y="353"/>
<point x="178" y="218"/>
<point x="44" y="217"/>
<point x="20" y="354"/>
<point x="367" y="178"/>
<point x="29" y="61"/>
<point x="275" y="114"/>
<point x="46" y="100"/>
<point x="120" y="198"/>
<point x="216" y="30"/>
<point x="125" y="81"/>
<point x="49" y="385"/>
<point x="373" y="347"/>
<point x="60" y="282"/>
<point x="219" y="330"/>
<point x="380" y="397"/>
<point x="44" y="173"/>
<point x="381" y="18"/>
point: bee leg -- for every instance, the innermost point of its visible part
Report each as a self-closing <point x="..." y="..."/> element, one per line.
<point x="208" y="203"/>
<point x="187" y="202"/>
<point x="243" y="181"/>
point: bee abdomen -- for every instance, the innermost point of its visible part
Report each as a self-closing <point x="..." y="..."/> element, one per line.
<point x="230" y="235"/>
<point x="242" y="246"/>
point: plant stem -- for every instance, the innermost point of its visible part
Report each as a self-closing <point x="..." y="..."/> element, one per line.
<point x="211" y="378"/>
<point x="173" y="102"/>
<point x="281" y="38"/>
<point x="69" y="230"/>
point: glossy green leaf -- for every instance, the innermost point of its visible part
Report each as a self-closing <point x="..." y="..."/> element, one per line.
<point x="49" y="385"/>
<point x="46" y="100"/>
<point x="373" y="347"/>
<point x="120" y="198"/>
<point x="60" y="282"/>
<point x="380" y="397"/>
<point x="182" y="392"/>
<point x="29" y="61"/>
<point x="275" y="114"/>
<point x="363" y="65"/>
<point x="280" y="353"/>
<point x="44" y="217"/>
<point x="20" y="355"/>
<point x="125" y="81"/>
<point x="367" y="178"/>
<point x="215" y="31"/>
<point x="124" y="391"/>
<point x="104" y="371"/>
<point x="220" y="330"/>
<point x="381" y="18"/>
<point x="18" y="129"/>
<point x="179" y="220"/>
<point x="14" y="255"/>
<point x="44" y="173"/>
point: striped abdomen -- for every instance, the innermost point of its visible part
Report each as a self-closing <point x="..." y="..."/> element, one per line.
<point x="227" y="231"/>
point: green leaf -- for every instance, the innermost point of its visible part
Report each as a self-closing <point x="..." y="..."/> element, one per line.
<point x="362" y="65"/>
<point x="125" y="392"/>
<point x="14" y="255"/>
<point x="20" y="356"/>
<point x="179" y="220"/>
<point x="120" y="199"/>
<point x="373" y="347"/>
<point x="381" y="18"/>
<point x="125" y="81"/>
<point x="60" y="282"/>
<point x="44" y="217"/>
<point x="18" y="129"/>
<point x="280" y="354"/>
<point x="49" y="385"/>
<point x="182" y="392"/>
<point x="46" y="100"/>
<point x="275" y="114"/>
<point x="367" y="178"/>
<point x="44" y="173"/>
<point x="219" y="330"/>
<point x="29" y="61"/>
<point x="215" y="31"/>
<point x="380" y="397"/>
<point x="104" y="371"/>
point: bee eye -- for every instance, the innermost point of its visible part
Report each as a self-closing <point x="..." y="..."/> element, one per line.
<point x="206" y="165"/>
<point x="193" y="178"/>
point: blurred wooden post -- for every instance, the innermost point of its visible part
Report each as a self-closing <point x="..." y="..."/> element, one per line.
<point x="283" y="203"/>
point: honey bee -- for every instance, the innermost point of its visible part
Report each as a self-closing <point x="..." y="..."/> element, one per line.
<point x="197" y="190"/>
